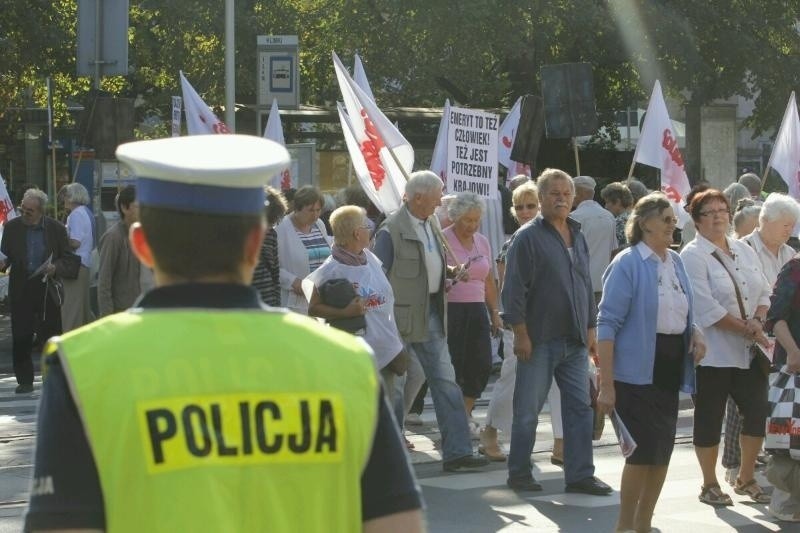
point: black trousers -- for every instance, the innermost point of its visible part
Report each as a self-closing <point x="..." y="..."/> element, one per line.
<point x="31" y="314"/>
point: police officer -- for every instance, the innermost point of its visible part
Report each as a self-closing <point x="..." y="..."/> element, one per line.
<point x="198" y="409"/>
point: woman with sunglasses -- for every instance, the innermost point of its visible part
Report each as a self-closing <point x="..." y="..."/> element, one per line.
<point x="472" y="304"/>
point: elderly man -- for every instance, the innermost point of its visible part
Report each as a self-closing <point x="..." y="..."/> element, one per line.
<point x="29" y="242"/>
<point x="753" y="184"/>
<point x="599" y="228"/>
<point x="548" y="301"/>
<point x="409" y="244"/>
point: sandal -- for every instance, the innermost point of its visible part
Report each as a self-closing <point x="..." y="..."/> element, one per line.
<point x="751" y="489"/>
<point x="713" y="495"/>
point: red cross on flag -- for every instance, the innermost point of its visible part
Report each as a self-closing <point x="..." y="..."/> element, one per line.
<point x="7" y="211"/>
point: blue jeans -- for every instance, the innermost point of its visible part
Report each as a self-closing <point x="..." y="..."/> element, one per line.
<point x="568" y="361"/>
<point x="448" y="403"/>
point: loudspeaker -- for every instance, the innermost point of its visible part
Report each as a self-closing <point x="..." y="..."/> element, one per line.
<point x="108" y="125"/>
<point x="569" y="107"/>
<point x="529" y="131"/>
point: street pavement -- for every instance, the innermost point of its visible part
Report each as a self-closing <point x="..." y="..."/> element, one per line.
<point x="458" y="502"/>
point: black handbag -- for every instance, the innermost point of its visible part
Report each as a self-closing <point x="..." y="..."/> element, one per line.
<point x="68" y="265"/>
<point x="339" y="293"/>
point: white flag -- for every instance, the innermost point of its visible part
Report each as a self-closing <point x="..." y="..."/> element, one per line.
<point x="7" y="211"/>
<point x="274" y="132"/>
<point x="360" y="77"/>
<point x="658" y="147"/>
<point x="439" y="158"/>
<point x="785" y="157"/>
<point x="505" y="142"/>
<point x="200" y="120"/>
<point x="375" y="135"/>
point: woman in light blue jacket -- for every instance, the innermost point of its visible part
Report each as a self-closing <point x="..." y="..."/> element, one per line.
<point x="648" y="347"/>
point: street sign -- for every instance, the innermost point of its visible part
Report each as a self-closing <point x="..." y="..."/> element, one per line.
<point x="278" y="71"/>
<point x="113" y="23"/>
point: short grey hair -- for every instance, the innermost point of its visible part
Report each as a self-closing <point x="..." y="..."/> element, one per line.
<point x="463" y="203"/>
<point x="75" y="193"/>
<point x="752" y="182"/>
<point x="423" y="182"/>
<point x="38" y="194"/>
<point x="516" y="181"/>
<point x="345" y="221"/>
<point x="743" y="215"/>
<point x="735" y="192"/>
<point x="638" y="189"/>
<point x="550" y="175"/>
<point x="778" y="205"/>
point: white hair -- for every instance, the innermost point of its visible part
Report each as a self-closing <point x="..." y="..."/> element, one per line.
<point x="37" y="194"/>
<point x="778" y="205"/>
<point x="463" y="203"/>
<point x="75" y="193"/>
<point x="735" y="192"/>
<point x="423" y="182"/>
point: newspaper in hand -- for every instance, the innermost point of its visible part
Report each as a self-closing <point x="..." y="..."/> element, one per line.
<point x="42" y="270"/>
<point x="626" y="442"/>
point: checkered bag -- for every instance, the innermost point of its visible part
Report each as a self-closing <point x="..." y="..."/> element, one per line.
<point x="783" y="423"/>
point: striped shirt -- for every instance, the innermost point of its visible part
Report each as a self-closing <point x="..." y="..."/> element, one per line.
<point x="316" y="245"/>
<point x="266" y="277"/>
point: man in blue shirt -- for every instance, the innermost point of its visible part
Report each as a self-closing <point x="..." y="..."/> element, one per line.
<point x="549" y="303"/>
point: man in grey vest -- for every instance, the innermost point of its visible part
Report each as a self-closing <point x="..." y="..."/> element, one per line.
<point x="409" y="244"/>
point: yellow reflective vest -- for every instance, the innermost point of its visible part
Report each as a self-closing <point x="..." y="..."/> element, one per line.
<point x="224" y="420"/>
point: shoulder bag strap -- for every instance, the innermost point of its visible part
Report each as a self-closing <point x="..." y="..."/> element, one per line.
<point x="735" y="285"/>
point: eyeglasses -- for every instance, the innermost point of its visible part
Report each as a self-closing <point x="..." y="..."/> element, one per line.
<point x="669" y="220"/>
<point x="520" y="207"/>
<point x="715" y="212"/>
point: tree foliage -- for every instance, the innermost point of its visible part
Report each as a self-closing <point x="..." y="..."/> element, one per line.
<point x="480" y="53"/>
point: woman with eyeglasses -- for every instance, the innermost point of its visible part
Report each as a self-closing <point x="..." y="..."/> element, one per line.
<point x="648" y="347"/>
<point x="731" y="295"/>
<point x="472" y="312"/>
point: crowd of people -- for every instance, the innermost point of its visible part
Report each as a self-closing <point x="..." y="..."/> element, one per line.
<point x="577" y="284"/>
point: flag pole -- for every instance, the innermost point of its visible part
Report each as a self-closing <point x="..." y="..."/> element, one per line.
<point x="630" y="172"/>
<point x="764" y="176"/>
<point x="577" y="159"/>
<point x="436" y="230"/>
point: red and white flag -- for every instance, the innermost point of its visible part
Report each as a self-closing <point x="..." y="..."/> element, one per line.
<point x="360" y="77"/>
<point x="785" y="157"/>
<point x="658" y="147"/>
<point x="439" y="157"/>
<point x="505" y="137"/>
<point x="200" y="120"/>
<point x="7" y="211"/>
<point x="359" y="163"/>
<point x="274" y="132"/>
<point x="375" y="136"/>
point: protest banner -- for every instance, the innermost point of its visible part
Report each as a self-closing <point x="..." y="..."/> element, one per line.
<point x="472" y="151"/>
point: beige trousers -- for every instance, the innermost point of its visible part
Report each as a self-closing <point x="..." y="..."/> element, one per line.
<point x="76" y="311"/>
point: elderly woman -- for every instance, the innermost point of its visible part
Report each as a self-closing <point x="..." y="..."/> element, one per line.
<point x="525" y="206"/>
<point x="266" y="276"/>
<point x="731" y="298"/>
<point x="783" y="319"/>
<point x="76" y="311"/>
<point x="304" y="245"/>
<point x="618" y="201"/>
<point x="350" y="259"/>
<point x="648" y="347"/>
<point x="777" y="217"/>
<point x="469" y="326"/>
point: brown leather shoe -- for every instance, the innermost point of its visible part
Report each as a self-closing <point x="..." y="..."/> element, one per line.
<point x="488" y="445"/>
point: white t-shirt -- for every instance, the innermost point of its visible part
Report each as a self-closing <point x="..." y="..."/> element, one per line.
<point x="79" y="228"/>
<point x="371" y="284"/>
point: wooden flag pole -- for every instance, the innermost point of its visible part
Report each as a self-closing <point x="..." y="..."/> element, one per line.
<point x="630" y="172"/>
<point x="577" y="159"/>
<point x="764" y="177"/>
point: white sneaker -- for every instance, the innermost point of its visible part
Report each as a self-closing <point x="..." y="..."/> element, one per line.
<point x="413" y="419"/>
<point x="731" y="474"/>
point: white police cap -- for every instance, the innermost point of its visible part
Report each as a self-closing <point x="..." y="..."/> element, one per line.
<point x="215" y="174"/>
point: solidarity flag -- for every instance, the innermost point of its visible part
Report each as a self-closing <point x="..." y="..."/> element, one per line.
<point x="506" y="136"/>
<point x="785" y="157"/>
<point x="7" y="211"/>
<point x="439" y="158"/>
<point x="658" y="147"/>
<point x="374" y="137"/>
<point x="274" y="132"/>
<point x="360" y="77"/>
<point x="200" y="120"/>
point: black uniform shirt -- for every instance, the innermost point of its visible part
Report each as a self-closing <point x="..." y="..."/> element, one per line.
<point x="66" y="489"/>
